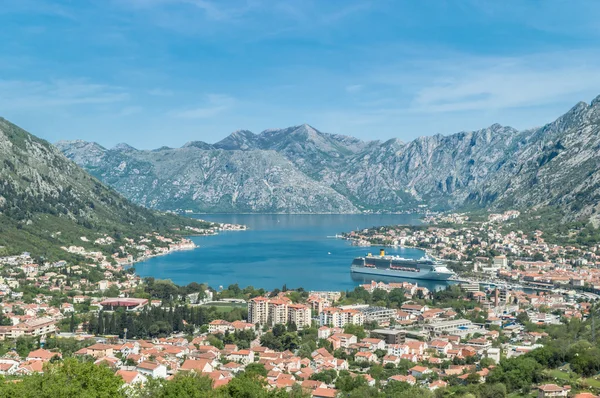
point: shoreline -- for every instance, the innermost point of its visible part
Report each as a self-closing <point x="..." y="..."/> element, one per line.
<point x="189" y="246"/>
<point x="423" y="249"/>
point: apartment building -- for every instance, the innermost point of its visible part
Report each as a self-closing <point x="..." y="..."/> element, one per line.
<point x="258" y="310"/>
<point x="337" y="317"/>
<point x="278" y="312"/>
<point x="33" y="327"/>
<point x="299" y="315"/>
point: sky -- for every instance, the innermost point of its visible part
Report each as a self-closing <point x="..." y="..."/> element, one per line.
<point x="165" y="72"/>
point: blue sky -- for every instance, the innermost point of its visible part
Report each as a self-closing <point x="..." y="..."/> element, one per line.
<point x="164" y="72"/>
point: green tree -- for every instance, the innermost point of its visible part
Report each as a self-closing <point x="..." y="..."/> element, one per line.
<point x="69" y="379"/>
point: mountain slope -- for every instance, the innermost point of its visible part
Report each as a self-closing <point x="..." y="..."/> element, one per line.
<point x="558" y="165"/>
<point x="495" y="167"/>
<point x="47" y="200"/>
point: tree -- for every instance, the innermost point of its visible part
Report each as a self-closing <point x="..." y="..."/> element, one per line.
<point x="246" y="386"/>
<point x="188" y="385"/>
<point x="473" y="378"/>
<point x="356" y="330"/>
<point x="70" y="379"/>
<point x="256" y="369"/>
<point x="24" y="345"/>
<point x="279" y="330"/>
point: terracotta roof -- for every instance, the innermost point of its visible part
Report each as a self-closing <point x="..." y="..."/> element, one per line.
<point x="127" y="375"/>
<point x="325" y="392"/>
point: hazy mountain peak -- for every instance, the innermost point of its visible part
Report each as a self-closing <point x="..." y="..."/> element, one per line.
<point x="123" y="147"/>
<point x="197" y="144"/>
<point x="238" y="140"/>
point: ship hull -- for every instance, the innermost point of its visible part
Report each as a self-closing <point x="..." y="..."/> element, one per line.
<point x="429" y="275"/>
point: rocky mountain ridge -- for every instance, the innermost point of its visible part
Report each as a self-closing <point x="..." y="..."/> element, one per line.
<point x="300" y="169"/>
<point x="47" y="201"/>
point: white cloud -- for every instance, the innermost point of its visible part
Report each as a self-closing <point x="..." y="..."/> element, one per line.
<point x="214" y="105"/>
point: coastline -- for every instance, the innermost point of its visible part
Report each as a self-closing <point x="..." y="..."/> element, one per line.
<point x="189" y="245"/>
<point x="427" y="251"/>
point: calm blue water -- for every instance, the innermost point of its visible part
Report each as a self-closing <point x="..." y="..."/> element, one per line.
<point x="277" y="249"/>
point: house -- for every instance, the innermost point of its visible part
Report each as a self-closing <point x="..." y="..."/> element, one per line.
<point x="552" y="390"/>
<point x="42" y="355"/>
<point x="8" y="366"/>
<point x="342" y="340"/>
<point x="30" y="367"/>
<point x="397" y="349"/>
<point x="242" y="356"/>
<point x="324" y="393"/>
<point x="232" y="367"/>
<point x="365" y="357"/>
<point x="416" y="347"/>
<point x="311" y="385"/>
<point x="414" y="309"/>
<point x="198" y="365"/>
<point x="131" y="376"/>
<point x="441" y="346"/>
<point x="152" y="369"/>
<point x="391" y="359"/>
<point x="404" y="379"/>
<point x="434" y="385"/>
<point x="100" y="350"/>
<point x="418" y="371"/>
<point x="219" y="326"/>
<point x="374" y="344"/>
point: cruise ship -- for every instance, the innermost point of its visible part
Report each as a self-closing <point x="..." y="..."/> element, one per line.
<point x="396" y="266"/>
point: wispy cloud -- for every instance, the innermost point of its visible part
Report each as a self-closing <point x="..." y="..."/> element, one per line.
<point x="21" y="94"/>
<point x="492" y="84"/>
<point x="354" y="88"/>
<point x="215" y="10"/>
<point x="214" y="105"/>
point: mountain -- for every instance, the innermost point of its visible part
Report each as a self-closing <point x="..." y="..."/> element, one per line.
<point x="209" y="180"/>
<point x="47" y="201"/>
<point x="301" y="169"/>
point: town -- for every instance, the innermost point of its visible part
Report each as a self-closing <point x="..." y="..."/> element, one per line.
<point x="481" y="253"/>
<point x="388" y="338"/>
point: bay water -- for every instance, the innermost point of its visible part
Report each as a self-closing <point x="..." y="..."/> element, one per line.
<point x="295" y="250"/>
